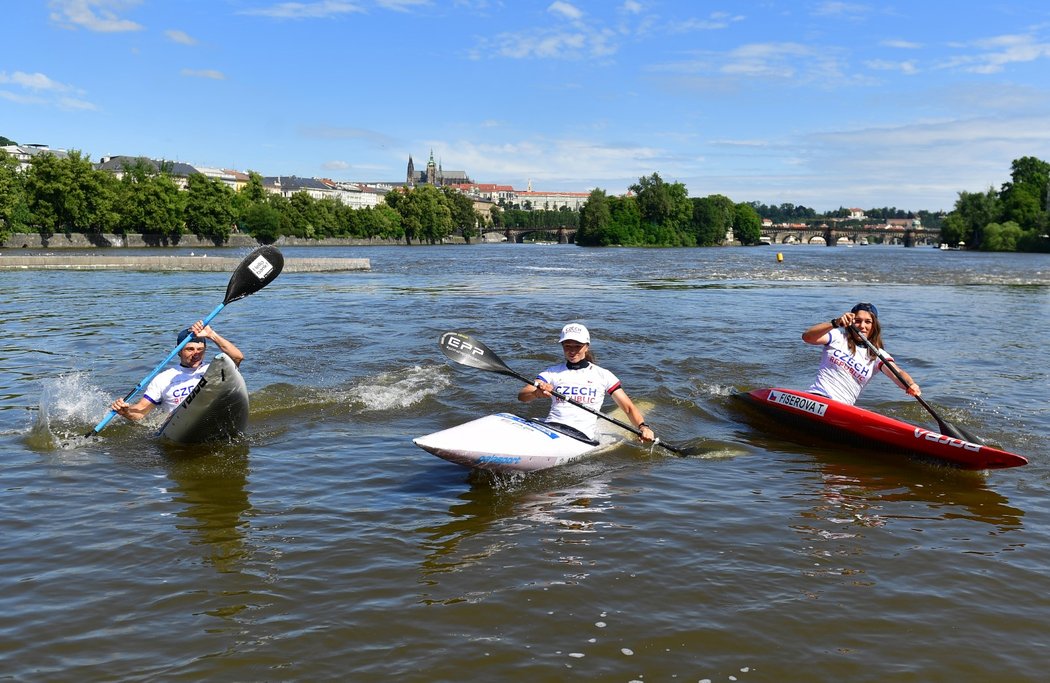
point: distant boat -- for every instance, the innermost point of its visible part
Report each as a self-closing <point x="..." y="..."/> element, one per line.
<point x="944" y="246"/>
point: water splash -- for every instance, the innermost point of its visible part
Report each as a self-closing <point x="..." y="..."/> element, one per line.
<point x="400" y="388"/>
<point x="67" y="403"/>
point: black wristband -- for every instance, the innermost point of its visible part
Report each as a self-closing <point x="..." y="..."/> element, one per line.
<point x="642" y="424"/>
<point x="834" y="322"/>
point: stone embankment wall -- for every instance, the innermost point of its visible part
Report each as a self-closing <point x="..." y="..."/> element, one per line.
<point x="170" y="263"/>
<point x="34" y="240"/>
<point x="136" y="241"/>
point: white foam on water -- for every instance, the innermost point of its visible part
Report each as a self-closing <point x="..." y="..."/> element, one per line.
<point x="400" y="388"/>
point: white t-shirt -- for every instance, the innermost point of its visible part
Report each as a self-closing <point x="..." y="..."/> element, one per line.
<point x="587" y="386"/>
<point x="843" y="375"/>
<point x="171" y="386"/>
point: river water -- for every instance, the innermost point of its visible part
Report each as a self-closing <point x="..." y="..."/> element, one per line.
<point x="326" y="546"/>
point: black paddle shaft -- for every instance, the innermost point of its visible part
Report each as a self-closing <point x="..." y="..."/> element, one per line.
<point x="466" y="350"/>
<point x="946" y="427"/>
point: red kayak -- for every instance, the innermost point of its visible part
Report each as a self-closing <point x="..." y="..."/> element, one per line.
<point x="866" y="429"/>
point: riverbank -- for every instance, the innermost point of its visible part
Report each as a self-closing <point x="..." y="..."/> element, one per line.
<point x="32" y="240"/>
<point x="172" y="263"/>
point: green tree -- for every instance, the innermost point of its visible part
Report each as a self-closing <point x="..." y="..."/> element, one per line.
<point x="14" y="211"/>
<point x="1001" y="237"/>
<point x="712" y="219"/>
<point x="69" y="195"/>
<point x="425" y="215"/>
<point x="626" y="224"/>
<point x="976" y="210"/>
<point x="262" y="221"/>
<point x="150" y="202"/>
<point x="662" y="204"/>
<point x="747" y="225"/>
<point x="383" y="222"/>
<point x="461" y="207"/>
<point x="595" y="220"/>
<point x="209" y="208"/>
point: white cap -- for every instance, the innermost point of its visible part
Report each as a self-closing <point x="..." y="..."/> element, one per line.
<point x="575" y="332"/>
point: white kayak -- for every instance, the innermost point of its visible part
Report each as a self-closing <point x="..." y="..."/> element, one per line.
<point x="217" y="408"/>
<point x="509" y="443"/>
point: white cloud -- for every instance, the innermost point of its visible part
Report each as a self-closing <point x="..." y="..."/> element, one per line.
<point x="633" y="7"/>
<point x="907" y="67"/>
<point x="401" y="5"/>
<point x="204" y="73"/>
<point x="714" y="22"/>
<point x="180" y="37"/>
<point x="306" y="10"/>
<point x="901" y="44"/>
<point x="335" y="166"/>
<point x="42" y="90"/>
<point x="94" y="15"/>
<point x="841" y="9"/>
<point x="994" y="54"/>
<point x="566" y="10"/>
<point x="33" y="81"/>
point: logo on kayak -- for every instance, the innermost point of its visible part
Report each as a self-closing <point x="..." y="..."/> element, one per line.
<point x="921" y="433"/>
<point x="531" y="425"/>
<point x="802" y="403"/>
<point x="499" y="459"/>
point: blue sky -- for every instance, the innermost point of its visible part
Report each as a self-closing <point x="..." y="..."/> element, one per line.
<point x="826" y="104"/>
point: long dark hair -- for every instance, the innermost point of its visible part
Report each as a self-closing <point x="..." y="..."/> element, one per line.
<point x="875" y="337"/>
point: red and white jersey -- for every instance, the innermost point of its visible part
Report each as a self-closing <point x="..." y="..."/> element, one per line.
<point x="843" y="375"/>
<point x="587" y="386"/>
<point x="170" y="387"/>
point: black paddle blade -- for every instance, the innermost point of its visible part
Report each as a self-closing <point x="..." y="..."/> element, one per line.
<point x="258" y="269"/>
<point x="948" y="429"/>
<point x="466" y="350"/>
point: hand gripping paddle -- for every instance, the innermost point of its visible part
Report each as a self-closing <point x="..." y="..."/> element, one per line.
<point x="258" y="269"/>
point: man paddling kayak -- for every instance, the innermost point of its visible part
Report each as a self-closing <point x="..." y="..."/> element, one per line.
<point x="845" y="369"/>
<point x="174" y="384"/>
<point x="583" y="382"/>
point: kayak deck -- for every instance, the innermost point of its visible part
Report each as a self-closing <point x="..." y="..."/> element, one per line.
<point x="217" y="408"/>
<point x="508" y="443"/>
<point x="814" y="414"/>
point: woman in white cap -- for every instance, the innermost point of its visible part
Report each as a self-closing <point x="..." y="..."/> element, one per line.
<point x="583" y="382"/>
<point x="845" y="368"/>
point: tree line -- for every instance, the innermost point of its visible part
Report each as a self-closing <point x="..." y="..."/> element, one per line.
<point x="1014" y="218"/>
<point x="658" y="213"/>
<point x="69" y="195"/>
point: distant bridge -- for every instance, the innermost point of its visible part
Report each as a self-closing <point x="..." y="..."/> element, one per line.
<point x="830" y="235"/>
<point x="565" y="235"/>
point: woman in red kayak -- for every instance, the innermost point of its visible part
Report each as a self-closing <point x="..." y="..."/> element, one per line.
<point x="846" y="365"/>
